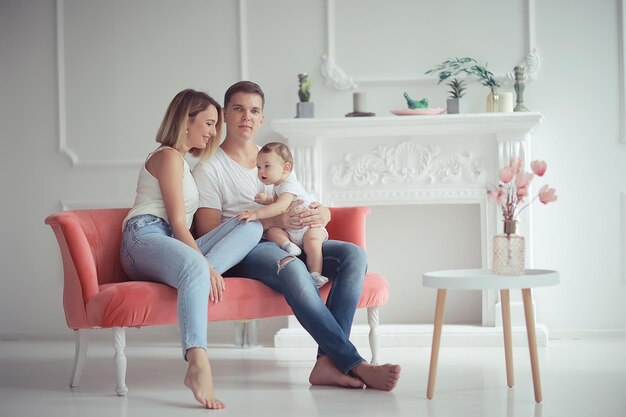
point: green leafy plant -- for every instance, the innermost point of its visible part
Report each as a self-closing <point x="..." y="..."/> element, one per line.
<point x="468" y="66"/>
<point x="457" y="88"/>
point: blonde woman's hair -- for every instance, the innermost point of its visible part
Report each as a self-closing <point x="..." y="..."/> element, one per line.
<point x="186" y="105"/>
<point x="279" y="149"/>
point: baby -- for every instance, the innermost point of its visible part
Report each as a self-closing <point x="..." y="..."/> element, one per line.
<point x="275" y="165"/>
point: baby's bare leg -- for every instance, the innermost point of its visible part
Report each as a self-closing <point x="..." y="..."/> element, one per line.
<point x="312" y="242"/>
<point x="277" y="235"/>
<point x="199" y="379"/>
<point x="281" y="238"/>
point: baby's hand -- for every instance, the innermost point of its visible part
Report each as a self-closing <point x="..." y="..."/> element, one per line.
<point x="260" y="198"/>
<point x="247" y="215"/>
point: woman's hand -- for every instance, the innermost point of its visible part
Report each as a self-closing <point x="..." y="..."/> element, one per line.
<point x="217" y="286"/>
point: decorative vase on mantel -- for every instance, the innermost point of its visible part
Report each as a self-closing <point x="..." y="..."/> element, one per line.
<point x="493" y="102"/>
<point x="508" y="251"/>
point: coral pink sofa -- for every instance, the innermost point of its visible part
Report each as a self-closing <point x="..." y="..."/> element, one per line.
<point x="97" y="293"/>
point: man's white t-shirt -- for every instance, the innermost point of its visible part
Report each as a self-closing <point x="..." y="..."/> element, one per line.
<point x="225" y="185"/>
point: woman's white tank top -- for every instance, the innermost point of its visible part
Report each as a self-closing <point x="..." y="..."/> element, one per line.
<point x="149" y="199"/>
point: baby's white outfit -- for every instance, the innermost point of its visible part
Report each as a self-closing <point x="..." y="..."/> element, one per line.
<point x="291" y="185"/>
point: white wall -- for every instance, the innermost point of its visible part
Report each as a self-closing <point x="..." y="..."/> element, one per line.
<point x="123" y="61"/>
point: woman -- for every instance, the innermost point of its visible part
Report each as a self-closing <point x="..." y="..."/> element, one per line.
<point x="157" y="244"/>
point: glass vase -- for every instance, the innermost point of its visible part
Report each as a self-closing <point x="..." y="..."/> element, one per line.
<point x="493" y="102"/>
<point x="508" y="251"/>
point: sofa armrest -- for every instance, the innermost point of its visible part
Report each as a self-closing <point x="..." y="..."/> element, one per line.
<point x="348" y="224"/>
<point x="80" y="279"/>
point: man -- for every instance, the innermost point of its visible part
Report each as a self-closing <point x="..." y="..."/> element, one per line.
<point x="227" y="184"/>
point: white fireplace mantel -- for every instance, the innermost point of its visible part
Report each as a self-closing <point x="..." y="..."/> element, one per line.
<point x="314" y="140"/>
<point x="414" y="160"/>
<point x="517" y="124"/>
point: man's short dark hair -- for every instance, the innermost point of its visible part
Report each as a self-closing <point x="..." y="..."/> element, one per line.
<point x="243" y="87"/>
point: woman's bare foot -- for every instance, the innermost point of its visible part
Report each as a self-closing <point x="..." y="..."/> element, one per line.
<point x="326" y="373"/>
<point x="383" y="377"/>
<point x="199" y="379"/>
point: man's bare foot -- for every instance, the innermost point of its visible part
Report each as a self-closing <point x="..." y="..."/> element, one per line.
<point x="326" y="373"/>
<point x="199" y="379"/>
<point x="383" y="377"/>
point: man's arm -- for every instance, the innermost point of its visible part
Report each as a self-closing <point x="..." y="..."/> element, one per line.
<point x="205" y="220"/>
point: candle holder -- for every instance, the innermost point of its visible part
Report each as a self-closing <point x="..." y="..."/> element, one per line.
<point x="359" y="105"/>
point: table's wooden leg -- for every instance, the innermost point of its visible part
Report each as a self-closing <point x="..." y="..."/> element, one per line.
<point x="505" y="301"/>
<point x="434" y="353"/>
<point x="532" y="341"/>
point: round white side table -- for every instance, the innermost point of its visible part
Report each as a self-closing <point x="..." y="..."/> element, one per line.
<point x="485" y="279"/>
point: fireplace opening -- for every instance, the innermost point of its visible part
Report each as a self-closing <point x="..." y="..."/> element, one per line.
<point x="404" y="241"/>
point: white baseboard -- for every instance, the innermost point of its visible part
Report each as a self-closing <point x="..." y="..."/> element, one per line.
<point x="419" y="335"/>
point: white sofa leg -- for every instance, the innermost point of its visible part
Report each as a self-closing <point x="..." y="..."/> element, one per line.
<point x="80" y="353"/>
<point x="373" y="321"/>
<point x="246" y="333"/>
<point x="119" y="342"/>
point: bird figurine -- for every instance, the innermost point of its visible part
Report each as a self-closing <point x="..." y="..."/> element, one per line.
<point x="416" y="104"/>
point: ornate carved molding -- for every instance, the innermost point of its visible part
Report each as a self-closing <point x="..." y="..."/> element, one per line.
<point x="335" y="76"/>
<point x="407" y="163"/>
<point x="386" y="197"/>
<point x="531" y="65"/>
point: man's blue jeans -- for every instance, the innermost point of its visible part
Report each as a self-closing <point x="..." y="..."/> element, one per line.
<point x="150" y="253"/>
<point x="329" y="324"/>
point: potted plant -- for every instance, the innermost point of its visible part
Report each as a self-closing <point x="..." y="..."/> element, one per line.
<point x="455" y="104"/>
<point x="305" y="108"/>
<point x="470" y="67"/>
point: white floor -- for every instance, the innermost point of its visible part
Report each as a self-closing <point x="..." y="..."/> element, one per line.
<point x="580" y="377"/>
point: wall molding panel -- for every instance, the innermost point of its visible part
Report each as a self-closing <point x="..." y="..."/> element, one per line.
<point x="78" y="159"/>
<point x="80" y="204"/>
<point x="64" y="146"/>
<point x="623" y="254"/>
<point x="337" y="78"/>
<point x="621" y="28"/>
<point x="243" y="39"/>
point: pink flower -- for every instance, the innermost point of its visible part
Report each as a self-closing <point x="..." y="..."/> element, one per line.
<point x="523" y="179"/>
<point x="539" y="167"/>
<point x="511" y="193"/>
<point x="547" y="194"/>
<point x="507" y="174"/>
<point x="516" y="164"/>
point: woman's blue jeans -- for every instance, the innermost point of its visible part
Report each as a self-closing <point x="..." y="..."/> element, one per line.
<point x="329" y="324"/>
<point x="149" y="252"/>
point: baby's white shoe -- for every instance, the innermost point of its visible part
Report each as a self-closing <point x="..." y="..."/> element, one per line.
<point x="291" y="248"/>
<point x="319" y="279"/>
